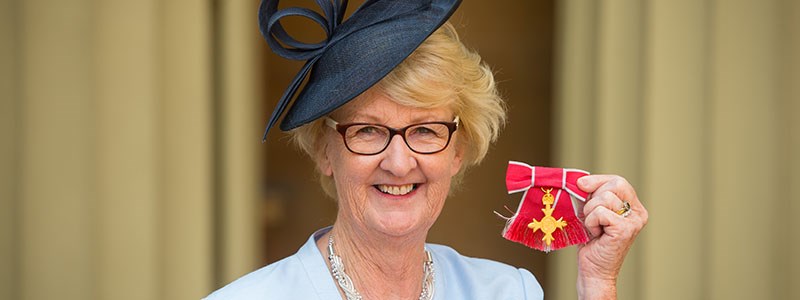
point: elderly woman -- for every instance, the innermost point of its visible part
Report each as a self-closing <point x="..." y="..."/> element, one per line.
<point x="394" y="111"/>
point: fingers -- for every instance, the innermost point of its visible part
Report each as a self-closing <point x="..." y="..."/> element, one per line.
<point x="601" y="184"/>
<point x="608" y="193"/>
<point x="604" y="222"/>
<point x="601" y="217"/>
<point x="606" y="199"/>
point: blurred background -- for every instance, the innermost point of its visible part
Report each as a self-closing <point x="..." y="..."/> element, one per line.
<point x="131" y="162"/>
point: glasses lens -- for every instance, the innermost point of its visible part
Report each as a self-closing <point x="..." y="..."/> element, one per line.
<point x="427" y="138"/>
<point x="366" y="139"/>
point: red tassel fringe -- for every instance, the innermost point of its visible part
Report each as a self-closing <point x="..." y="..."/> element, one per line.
<point x="517" y="230"/>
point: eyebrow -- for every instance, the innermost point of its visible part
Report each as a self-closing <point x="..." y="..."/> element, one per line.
<point x="424" y="117"/>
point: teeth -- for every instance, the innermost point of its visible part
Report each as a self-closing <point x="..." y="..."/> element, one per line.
<point x="396" y="190"/>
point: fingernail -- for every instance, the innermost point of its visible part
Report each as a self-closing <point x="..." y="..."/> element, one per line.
<point x="583" y="181"/>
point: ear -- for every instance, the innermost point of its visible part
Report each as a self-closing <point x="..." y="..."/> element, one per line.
<point x="323" y="160"/>
<point x="458" y="159"/>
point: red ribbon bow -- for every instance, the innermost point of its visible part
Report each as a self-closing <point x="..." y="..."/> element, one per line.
<point x="536" y="182"/>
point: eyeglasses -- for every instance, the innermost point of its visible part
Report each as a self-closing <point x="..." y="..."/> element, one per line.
<point x="371" y="139"/>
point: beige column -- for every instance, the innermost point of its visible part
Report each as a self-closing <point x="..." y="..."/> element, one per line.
<point x="675" y="157"/>
<point x="186" y="142"/>
<point x="127" y="96"/>
<point x="106" y="125"/>
<point x="792" y="103"/>
<point x="56" y="198"/>
<point x="744" y="114"/>
<point x="711" y="140"/>
<point x="9" y="150"/>
<point x="240" y="124"/>
<point x="154" y="149"/>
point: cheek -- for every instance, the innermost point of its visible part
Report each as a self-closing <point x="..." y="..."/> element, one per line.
<point x="437" y="192"/>
<point x="351" y="195"/>
<point x="350" y="174"/>
<point x="339" y="159"/>
<point x="437" y="196"/>
<point x="351" y="192"/>
<point x="439" y="178"/>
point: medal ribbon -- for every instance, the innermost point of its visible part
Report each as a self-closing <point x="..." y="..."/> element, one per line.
<point x="534" y="182"/>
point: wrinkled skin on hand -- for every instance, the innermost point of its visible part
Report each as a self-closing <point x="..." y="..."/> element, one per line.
<point x="600" y="260"/>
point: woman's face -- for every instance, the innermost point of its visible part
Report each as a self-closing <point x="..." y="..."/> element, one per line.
<point x="396" y="192"/>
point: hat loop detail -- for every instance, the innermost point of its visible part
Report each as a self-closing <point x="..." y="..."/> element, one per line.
<point x="284" y="44"/>
<point x="276" y="37"/>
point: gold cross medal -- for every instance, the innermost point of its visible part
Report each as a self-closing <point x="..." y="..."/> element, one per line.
<point x="548" y="224"/>
<point x="546" y="218"/>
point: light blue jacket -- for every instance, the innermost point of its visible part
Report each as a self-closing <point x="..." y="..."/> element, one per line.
<point x="304" y="275"/>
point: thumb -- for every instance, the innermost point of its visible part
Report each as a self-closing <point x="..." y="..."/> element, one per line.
<point x="590" y="183"/>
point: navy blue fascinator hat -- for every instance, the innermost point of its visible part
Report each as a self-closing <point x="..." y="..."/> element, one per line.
<point x="355" y="55"/>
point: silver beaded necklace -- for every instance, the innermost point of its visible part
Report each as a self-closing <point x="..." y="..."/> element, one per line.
<point x="337" y="269"/>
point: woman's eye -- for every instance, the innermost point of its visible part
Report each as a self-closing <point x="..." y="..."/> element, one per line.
<point x="367" y="130"/>
<point x="423" y="131"/>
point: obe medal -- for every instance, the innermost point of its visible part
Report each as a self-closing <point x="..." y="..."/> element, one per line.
<point x="546" y="218"/>
<point x="548" y="224"/>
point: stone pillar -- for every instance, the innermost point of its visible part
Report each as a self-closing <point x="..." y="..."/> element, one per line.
<point x="114" y="148"/>
<point x="693" y="102"/>
<point x="675" y="154"/>
<point x="56" y="200"/>
<point x="241" y="122"/>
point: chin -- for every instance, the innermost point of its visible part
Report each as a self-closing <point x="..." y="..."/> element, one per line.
<point x="400" y="224"/>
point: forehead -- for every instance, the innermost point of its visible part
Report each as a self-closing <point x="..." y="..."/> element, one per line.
<point x="375" y="106"/>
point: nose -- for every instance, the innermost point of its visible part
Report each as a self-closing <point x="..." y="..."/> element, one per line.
<point x="398" y="159"/>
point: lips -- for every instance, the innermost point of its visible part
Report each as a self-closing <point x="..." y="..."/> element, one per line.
<point x="396" y="190"/>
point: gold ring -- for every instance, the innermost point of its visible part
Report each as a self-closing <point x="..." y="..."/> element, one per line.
<point x="625" y="210"/>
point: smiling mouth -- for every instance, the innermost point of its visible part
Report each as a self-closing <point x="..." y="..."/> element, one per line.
<point x="396" y="190"/>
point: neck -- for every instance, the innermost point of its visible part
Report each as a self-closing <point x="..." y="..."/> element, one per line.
<point x="381" y="266"/>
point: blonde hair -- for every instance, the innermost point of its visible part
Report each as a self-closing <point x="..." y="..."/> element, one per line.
<point x="440" y="72"/>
